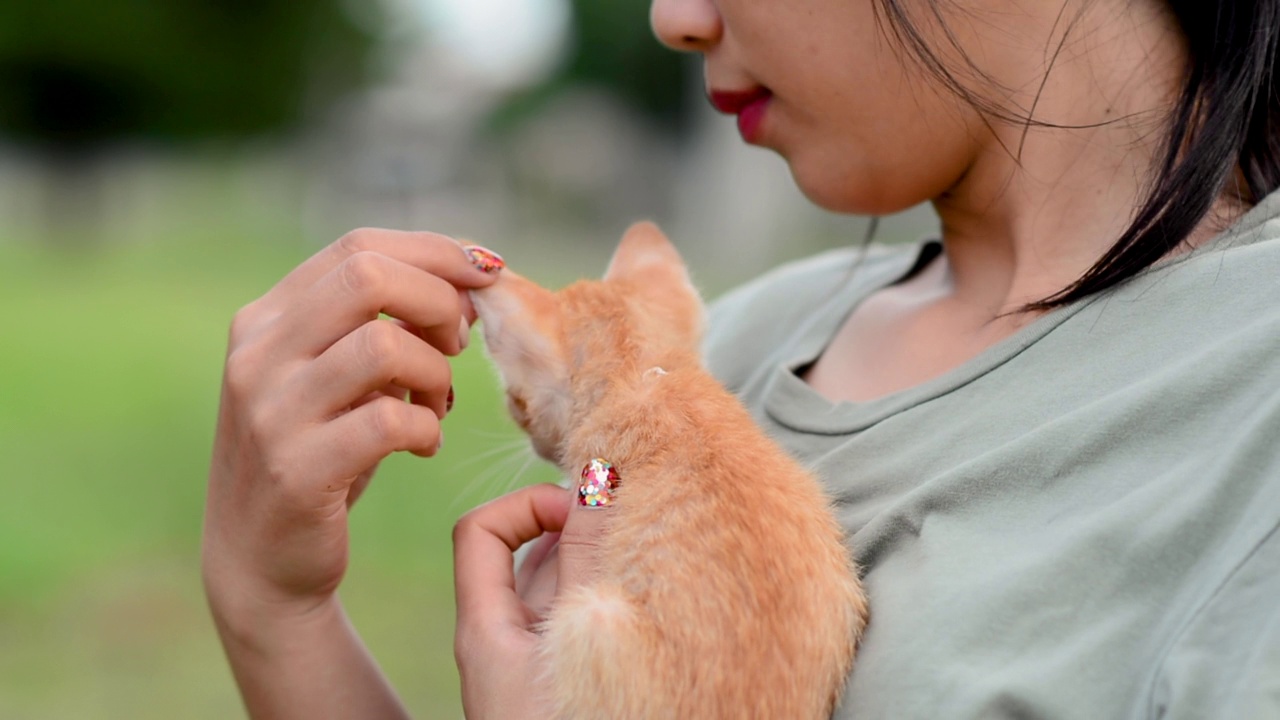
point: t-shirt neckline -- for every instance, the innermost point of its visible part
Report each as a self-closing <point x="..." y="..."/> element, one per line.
<point x="792" y="403"/>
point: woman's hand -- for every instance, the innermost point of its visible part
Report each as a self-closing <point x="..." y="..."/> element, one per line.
<point x="313" y="398"/>
<point x="496" y="638"/>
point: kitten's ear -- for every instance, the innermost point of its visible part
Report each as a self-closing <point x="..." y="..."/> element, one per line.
<point x="645" y="248"/>
<point x="649" y="264"/>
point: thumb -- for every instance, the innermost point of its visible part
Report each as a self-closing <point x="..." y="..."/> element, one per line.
<point x="586" y="530"/>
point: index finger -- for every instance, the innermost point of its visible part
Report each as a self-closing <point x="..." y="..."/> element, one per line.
<point x="483" y="543"/>
<point x="437" y="254"/>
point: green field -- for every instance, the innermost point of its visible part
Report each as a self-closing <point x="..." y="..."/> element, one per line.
<point x="109" y="367"/>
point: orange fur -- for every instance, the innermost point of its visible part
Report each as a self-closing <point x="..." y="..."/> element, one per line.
<point x="723" y="588"/>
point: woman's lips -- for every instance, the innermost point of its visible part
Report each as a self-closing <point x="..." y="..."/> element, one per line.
<point x="750" y="106"/>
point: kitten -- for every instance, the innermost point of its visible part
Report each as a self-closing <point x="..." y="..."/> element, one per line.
<point x="722" y="588"/>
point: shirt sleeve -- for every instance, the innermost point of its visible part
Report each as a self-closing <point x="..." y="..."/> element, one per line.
<point x="1227" y="662"/>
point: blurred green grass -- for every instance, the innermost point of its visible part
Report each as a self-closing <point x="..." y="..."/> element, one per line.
<point x="110" y="358"/>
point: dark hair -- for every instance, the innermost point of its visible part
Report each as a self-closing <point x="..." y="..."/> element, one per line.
<point x="1223" y="134"/>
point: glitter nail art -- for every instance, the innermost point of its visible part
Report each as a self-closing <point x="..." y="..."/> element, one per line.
<point x="485" y="259"/>
<point x="598" y="484"/>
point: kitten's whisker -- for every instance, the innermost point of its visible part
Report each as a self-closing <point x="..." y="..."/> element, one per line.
<point x="492" y="434"/>
<point x="516" y="479"/>
<point x="501" y="449"/>
<point x="483" y="484"/>
<point x="497" y="485"/>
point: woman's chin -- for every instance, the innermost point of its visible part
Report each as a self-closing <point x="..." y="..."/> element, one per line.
<point x="854" y="186"/>
<point x="851" y="192"/>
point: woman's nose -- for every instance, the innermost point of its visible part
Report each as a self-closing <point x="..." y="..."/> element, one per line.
<point x="687" y="25"/>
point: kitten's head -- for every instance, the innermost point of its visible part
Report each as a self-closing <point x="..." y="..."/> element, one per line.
<point x="560" y="353"/>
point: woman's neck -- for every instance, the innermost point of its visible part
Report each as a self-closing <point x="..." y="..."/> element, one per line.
<point x="1038" y="206"/>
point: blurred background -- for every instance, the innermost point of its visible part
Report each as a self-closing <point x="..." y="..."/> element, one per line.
<point x="164" y="163"/>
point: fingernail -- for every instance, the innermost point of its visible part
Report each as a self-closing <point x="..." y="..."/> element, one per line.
<point x="598" y="484"/>
<point x="440" y="444"/>
<point x="464" y="334"/>
<point x="448" y="401"/>
<point x="485" y="259"/>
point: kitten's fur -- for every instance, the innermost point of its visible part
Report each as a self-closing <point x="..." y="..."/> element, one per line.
<point x="722" y="588"/>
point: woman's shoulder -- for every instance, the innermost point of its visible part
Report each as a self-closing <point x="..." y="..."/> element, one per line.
<point x="1230" y="282"/>
<point x="756" y="317"/>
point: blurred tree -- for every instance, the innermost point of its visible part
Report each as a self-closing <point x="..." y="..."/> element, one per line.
<point x="76" y="75"/>
<point x="613" y="47"/>
<point x="79" y="76"/>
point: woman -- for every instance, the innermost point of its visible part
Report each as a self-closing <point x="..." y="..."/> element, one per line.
<point x="1050" y="436"/>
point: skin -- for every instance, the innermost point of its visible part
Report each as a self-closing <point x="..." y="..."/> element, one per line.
<point x="314" y="380"/>
<point x="1024" y="211"/>
<point x="313" y="398"/>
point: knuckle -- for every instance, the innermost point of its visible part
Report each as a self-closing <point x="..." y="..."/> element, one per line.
<point x="276" y="471"/>
<point x="380" y="342"/>
<point x="463" y="527"/>
<point x="241" y="371"/>
<point x="391" y="421"/>
<point x="243" y="323"/>
<point x="363" y="272"/>
<point x="294" y="490"/>
<point x="357" y="241"/>
<point x="261" y="422"/>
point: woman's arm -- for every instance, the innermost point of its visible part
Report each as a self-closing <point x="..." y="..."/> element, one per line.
<point x="304" y="663"/>
<point x="313" y="398"/>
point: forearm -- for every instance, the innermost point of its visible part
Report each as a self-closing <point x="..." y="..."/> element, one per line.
<point x="311" y="665"/>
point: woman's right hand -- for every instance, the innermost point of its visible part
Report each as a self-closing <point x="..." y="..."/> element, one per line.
<point x="313" y="398"/>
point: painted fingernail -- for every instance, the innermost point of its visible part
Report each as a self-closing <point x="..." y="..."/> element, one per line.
<point x="598" y="484"/>
<point x="485" y="259"/>
<point x="464" y="334"/>
<point x="448" y="401"/>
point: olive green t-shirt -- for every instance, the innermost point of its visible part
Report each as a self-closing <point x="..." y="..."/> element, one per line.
<point x="1078" y="523"/>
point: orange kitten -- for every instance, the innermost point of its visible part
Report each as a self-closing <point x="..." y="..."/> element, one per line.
<point x="722" y="588"/>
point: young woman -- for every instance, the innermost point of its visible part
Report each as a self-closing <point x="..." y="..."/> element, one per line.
<point x="1050" y="435"/>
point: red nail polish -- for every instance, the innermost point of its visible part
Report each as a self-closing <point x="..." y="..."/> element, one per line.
<point x="448" y="401"/>
<point x="485" y="259"/>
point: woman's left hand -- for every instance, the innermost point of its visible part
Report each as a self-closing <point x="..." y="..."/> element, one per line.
<point x="495" y="643"/>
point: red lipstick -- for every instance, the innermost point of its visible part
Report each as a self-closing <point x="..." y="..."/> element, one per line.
<point x="750" y="106"/>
